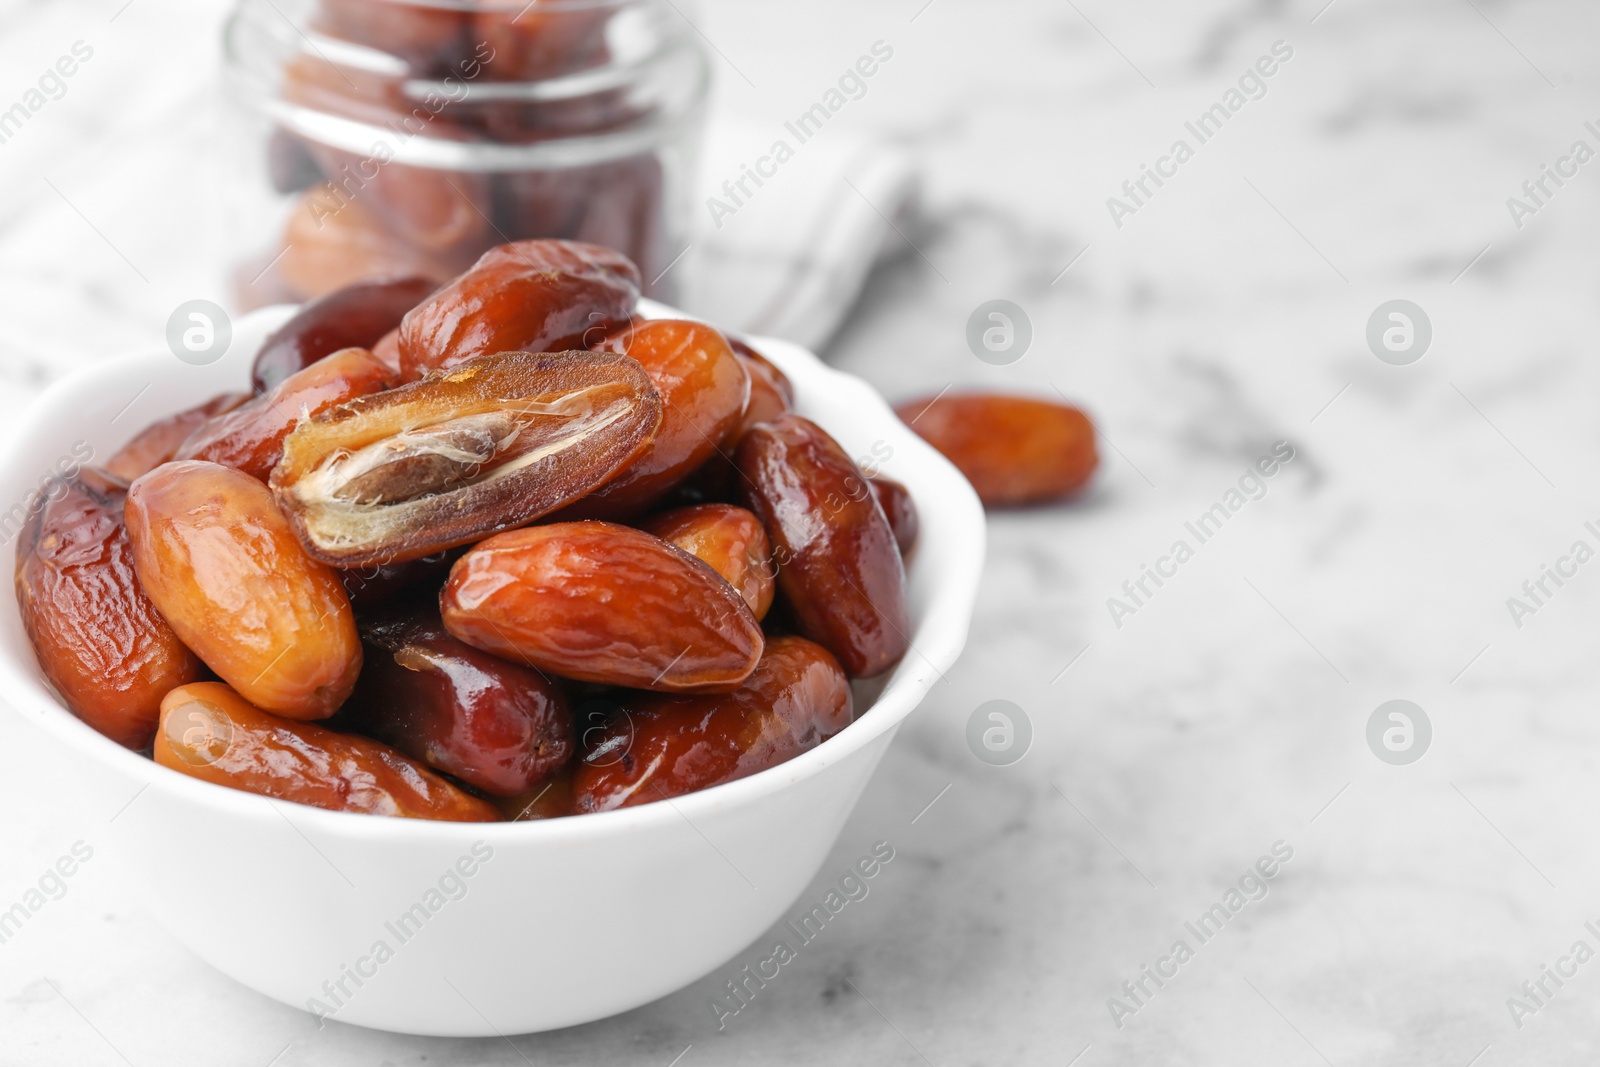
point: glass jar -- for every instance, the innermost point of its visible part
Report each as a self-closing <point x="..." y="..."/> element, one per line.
<point x="389" y="137"/>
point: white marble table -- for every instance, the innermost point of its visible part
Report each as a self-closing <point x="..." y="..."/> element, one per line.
<point x="1229" y="712"/>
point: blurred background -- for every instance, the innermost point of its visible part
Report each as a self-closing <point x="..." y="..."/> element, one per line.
<point x="1202" y="321"/>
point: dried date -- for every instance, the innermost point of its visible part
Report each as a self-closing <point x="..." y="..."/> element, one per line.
<point x="210" y="732"/>
<point x="489" y="445"/>
<point x="221" y="565"/>
<point x="98" y="638"/>
<point x="602" y="603"/>
<point x="665" y="746"/>
<point x="839" y="566"/>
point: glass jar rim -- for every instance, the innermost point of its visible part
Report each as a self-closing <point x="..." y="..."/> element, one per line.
<point x="371" y="58"/>
<point x="677" y="59"/>
<point x="556" y="153"/>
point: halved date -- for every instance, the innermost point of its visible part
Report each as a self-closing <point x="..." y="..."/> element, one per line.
<point x="534" y="296"/>
<point x="160" y="441"/>
<point x="221" y="565"/>
<point x="210" y="732"/>
<point x="839" y="566"/>
<point x="661" y="746"/>
<point x="704" y="388"/>
<point x="602" y="603"/>
<point x="1015" y="450"/>
<point x="98" y="638"/>
<point x="493" y="724"/>
<point x="728" y="539"/>
<point x="357" y="316"/>
<point x="488" y="445"/>
<point x="250" y="437"/>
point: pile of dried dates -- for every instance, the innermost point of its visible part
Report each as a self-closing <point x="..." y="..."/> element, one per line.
<point x="474" y="81"/>
<point x="496" y="550"/>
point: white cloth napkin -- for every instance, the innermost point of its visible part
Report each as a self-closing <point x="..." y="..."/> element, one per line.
<point x="791" y="255"/>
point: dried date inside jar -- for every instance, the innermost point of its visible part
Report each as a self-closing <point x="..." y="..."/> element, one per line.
<point x="325" y="250"/>
<point x="424" y="132"/>
<point x="489" y="445"/>
<point x="431" y="38"/>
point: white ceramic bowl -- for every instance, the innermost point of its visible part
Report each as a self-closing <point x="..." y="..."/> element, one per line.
<point x="565" y="921"/>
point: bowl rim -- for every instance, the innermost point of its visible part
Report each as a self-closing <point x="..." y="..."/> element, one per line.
<point x="949" y="510"/>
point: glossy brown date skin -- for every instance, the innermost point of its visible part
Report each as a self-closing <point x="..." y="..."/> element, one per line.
<point x="387" y="351"/>
<point x="488" y="445"/>
<point x="533" y="296"/>
<point x="1015" y="450"/>
<point x="899" y="509"/>
<point x="602" y="603"/>
<point x="221" y="565"/>
<point x="769" y="370"/>
<point x="839" y="567"/>
<point x="210" y="732"/>
<point x="160" y="441"/>
<point x="379" y="584"/>
<point x="767" y="400"/>
<point x="666" y="746"/>
<point x="771" y="391"/>
<point x="357" y="316"/>
<point x="728" y="539"/>
<point x="98" y="638"/>
<point x="704" y="388"/>
<point x="716" y="480"/>
<point x="250" y="437"/>
<point x="551" y="800"/>
<point x="492" y="724"/>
